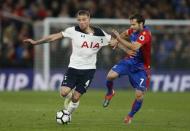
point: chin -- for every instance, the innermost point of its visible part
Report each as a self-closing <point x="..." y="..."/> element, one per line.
<point x="82" y="28"/>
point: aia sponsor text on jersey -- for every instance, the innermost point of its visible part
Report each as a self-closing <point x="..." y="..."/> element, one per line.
<point x="85" y="44"/>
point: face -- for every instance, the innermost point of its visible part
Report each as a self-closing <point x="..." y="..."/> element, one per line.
<point x="83" y="21"/>
<point x="135" y="25"/>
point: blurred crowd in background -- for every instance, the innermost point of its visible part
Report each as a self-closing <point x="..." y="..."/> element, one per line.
<point x="168" y="50"/>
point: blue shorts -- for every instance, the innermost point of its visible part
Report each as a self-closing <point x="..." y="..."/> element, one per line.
<point x="137" y="75"/>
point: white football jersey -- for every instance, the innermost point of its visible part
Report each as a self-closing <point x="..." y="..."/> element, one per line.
<point x="85" y="46"/>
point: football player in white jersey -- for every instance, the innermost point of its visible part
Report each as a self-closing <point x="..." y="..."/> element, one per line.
<point x="86" y="42"/>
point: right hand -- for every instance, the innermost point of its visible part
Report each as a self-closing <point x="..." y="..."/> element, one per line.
<point x="29" y="41"/>
<point x="113" y="43"/>
<point x="131" y="53"/>
<point x="115" y="34"/>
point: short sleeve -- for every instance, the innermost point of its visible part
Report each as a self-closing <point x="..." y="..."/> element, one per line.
<point x="68" y="32"/>
<point x="107" y="38"/>
<point x="129" y="31"/>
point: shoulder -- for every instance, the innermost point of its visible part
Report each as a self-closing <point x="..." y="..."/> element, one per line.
<point x="97" y="31"/>
<point x="129" y="31"/>
<point x="70" y="29"/>
<point x="77" y="28"/>
<point x="146" y="31"/>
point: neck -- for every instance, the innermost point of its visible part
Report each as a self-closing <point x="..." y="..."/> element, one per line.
<point x="142" y="27"/>
<point x="89" y="30"/>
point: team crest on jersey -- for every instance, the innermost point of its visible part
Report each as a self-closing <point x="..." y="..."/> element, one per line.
<point x="141" y="38"/>
<point x="85" y="44"/>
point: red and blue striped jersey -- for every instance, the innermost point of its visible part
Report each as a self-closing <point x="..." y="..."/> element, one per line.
<point x="143" y="37"/>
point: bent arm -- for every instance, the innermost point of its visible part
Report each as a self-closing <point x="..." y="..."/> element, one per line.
<point x="114" y="43"/>
<point x="124" y="34"/>
<point x="132" y="46"/>
<point x="127" y="50"/>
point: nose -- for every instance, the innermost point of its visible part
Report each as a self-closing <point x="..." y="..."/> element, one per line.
<point x="81" y="22"/>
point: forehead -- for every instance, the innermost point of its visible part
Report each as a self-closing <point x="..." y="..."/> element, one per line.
<point x="133" y="21"/>
<point x="82" y="16"/>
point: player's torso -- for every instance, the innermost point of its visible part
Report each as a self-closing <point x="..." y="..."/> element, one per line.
<point x="142" y="57"/>
<point x="84" y="49"/>
<point x="133" y="38"/>
<point x="85" y="44"/>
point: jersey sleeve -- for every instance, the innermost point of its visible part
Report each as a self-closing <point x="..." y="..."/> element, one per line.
<point x="129" y="32"/>
<point x="106" y="39"/>
<point x="143" y="38"/>
<point x="68" y="32"/>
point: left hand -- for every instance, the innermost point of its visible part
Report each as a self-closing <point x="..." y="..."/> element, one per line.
<point x="113" y="42"/>
<point x="131" y="53"/>
<point x="115" y="34"/>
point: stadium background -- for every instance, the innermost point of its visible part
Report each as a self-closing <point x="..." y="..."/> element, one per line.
<point x="29" y="110"/>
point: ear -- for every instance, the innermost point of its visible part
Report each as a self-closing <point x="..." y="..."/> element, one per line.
<point x="141" y="24"/>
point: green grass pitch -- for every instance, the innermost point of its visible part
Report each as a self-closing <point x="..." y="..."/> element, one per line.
<point x="35" y="111"/>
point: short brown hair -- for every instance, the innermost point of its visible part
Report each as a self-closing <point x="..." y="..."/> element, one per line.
<point x="139" y="18"/>
<point x="83" y="12"/>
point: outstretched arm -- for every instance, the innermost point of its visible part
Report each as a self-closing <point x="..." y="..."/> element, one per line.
<point x="49" y="38"/>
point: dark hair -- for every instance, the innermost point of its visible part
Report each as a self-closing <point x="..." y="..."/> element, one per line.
<point x="138" y="17"/>
<point x="83" y="12"/>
